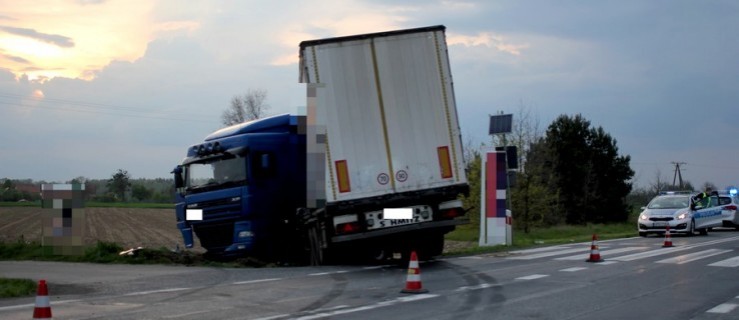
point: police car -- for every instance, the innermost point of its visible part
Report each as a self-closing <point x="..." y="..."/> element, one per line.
<point x="681" y="213"/>
<point x="729" y="202"/>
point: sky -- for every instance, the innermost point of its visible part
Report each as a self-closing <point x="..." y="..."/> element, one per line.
<point x="91" y="86"/>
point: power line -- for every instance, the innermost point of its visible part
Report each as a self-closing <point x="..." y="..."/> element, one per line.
<point x="103" y="112"/>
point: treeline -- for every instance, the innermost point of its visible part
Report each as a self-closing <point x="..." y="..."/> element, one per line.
<point x="572" y="174"/>
<point x="159" y="190"/>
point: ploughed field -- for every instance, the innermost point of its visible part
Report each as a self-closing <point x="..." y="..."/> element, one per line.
<point x="129" y="227"/>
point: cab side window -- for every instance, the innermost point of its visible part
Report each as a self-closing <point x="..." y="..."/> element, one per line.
<point x="264" y="164"/>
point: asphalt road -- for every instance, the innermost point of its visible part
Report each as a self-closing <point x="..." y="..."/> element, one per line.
<point x="639" y="279"/>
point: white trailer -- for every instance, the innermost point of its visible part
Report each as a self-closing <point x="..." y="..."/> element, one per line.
<point x="382" y="112"/>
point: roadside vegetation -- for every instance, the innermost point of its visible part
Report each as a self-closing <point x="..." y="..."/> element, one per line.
<point x="10" y="288"/>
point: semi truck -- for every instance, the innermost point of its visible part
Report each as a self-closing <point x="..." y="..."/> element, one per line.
<point x="379" y="135"/>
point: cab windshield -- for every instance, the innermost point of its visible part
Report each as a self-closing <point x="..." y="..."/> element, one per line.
<point x="676" y="202"/>
<point x="215" y="172"/>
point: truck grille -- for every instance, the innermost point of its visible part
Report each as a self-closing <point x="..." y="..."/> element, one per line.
<point x="215" y="235"/>
<point x="219" y="207"/>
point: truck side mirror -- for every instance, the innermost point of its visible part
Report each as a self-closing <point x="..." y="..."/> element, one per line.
<point x="178" y="181"/>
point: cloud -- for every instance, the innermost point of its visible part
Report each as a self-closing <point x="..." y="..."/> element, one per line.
<point x="486" y="39"/>
<point x="55" y="39"/>
<point x="86" y="2"/>
<point x="14" y="58"/>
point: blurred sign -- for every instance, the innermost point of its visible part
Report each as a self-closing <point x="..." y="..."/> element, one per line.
<point x="64" y="220"/>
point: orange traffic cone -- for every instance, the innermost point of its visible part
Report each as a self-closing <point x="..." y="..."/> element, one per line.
<point x="43" y="307"/>
<point x="668" y="241"/>
<point x="594" y="252"/>
<point x="413" y="281"/>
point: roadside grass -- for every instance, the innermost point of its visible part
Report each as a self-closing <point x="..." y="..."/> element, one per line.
<point x="10" y="288"/>
<point x="20" y="204"/>
<point x="541" y="236"/>
<point x="102" y="252"/>
<point x="109" y="252"/>
<point x="96" y="204"/>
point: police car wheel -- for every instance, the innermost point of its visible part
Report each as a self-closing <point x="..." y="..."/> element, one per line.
<point x="691" y="229"/>
<point x="703" y="231"/>
<point x="642" y="234"/>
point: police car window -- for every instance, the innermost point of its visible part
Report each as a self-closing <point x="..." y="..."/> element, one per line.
<point x="713" y="201"/>
<point x="724" y="201"/>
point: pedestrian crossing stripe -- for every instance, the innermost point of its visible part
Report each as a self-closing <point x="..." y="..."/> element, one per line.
<point x="604" y="253"/>
<point x="693" y="256"/>
<point x="730" y="263"/>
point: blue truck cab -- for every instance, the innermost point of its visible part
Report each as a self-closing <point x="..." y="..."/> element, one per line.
<point x="238" y="188"/>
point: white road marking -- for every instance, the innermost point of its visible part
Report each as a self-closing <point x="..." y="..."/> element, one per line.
<point x="573" y="269"/>
<point x="369" y="307"/>
<point x="535" y="250"/>
<point x="730" y="263"/>
<point x="533" y="277"/>
<point x="605" y="263"/>
<point x="650" y="253"/>
<point x="155" y="291"/>
<point x="192" y="313"/>
<point x="257" y="281"/>
<point x="477" y="287"/>
<point x="549" y="254"/>
<point x="327" y="273"/>
<point x="31" y="305"/>
<point x="603" y="254"/>
<point x="723" y="308"/>
<point x="378" y="267"/>
<point x="693" y="256"/>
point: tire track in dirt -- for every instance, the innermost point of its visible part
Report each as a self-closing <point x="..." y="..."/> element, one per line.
<point x="17" y="222"/>
<point x="146" y="227"/>
<point x="126" y="232"/>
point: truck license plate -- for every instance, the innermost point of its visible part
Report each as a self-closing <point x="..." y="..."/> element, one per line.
<point x="387" y="223"/>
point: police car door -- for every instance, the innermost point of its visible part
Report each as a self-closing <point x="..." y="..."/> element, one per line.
<point x="708" y="216"/>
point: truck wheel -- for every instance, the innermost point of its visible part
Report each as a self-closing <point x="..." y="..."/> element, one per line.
<point x="434" y="246"/>
<point x="318" y="255"/>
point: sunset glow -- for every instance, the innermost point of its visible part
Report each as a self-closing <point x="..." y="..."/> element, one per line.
<point x="71" y="39"/>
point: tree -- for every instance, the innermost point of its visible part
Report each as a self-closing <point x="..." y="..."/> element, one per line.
<point x="119" y="184"/>
<point x="534" y="203"/>
<point x="473" y="171"/>
<point x="580" y="165"/>
<point x="140" y="192"/>
<point x="248" y="107"/>
<point x="524" y="132"/>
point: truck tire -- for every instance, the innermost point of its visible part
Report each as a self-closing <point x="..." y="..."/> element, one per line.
<point x="317" y="253"/>
<point x="432" y="247"/>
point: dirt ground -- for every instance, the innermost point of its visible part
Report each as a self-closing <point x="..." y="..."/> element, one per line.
<point x="129" y="227"/>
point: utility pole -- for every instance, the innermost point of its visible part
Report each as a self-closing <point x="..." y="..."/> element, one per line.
<point x="677" y="174"/>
